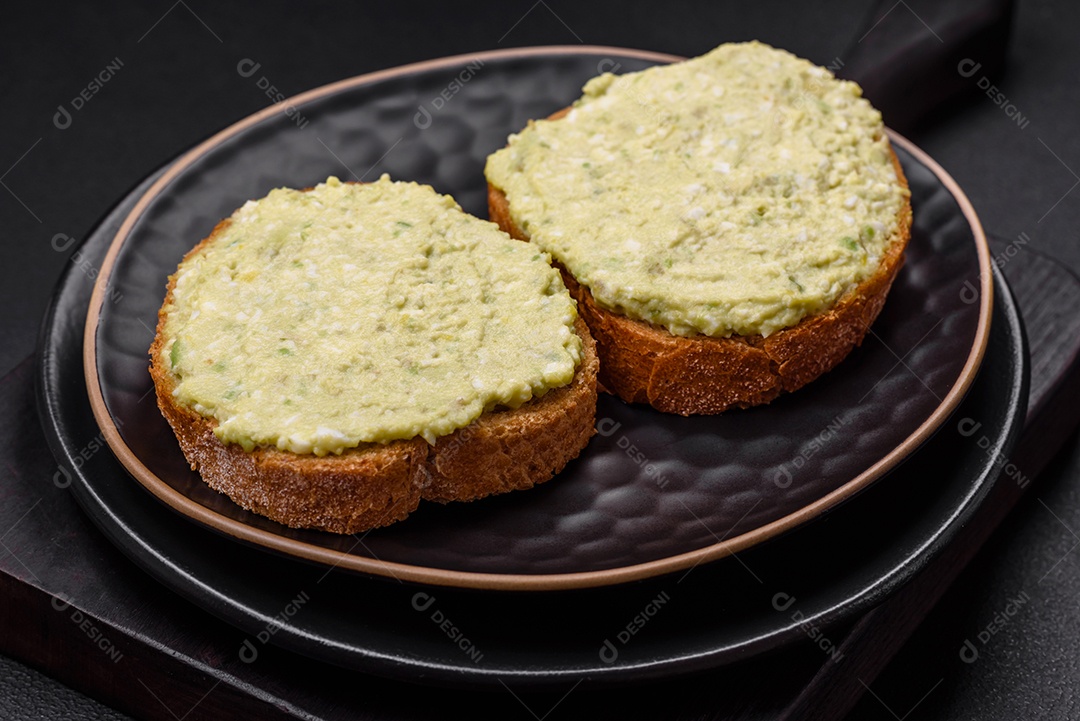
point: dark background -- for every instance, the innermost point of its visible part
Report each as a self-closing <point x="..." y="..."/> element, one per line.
<point x="177" y="83"/>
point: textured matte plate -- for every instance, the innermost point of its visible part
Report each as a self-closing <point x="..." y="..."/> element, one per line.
<point x="714" y="614"/>
<point x="653" y="493"/>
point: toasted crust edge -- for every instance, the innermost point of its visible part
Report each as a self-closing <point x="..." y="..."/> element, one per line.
<point x="379" y="484"/>
<point x="698" y="375"/>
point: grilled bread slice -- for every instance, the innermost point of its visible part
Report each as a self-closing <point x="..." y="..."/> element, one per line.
<point x="349" y="485"/>
<point x="691" y="372"/>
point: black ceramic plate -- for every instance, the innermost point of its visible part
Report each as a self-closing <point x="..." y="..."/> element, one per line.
<point x="653" y="493"/>
<point x="712" y="614"/>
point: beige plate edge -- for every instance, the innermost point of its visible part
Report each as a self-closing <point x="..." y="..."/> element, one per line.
<point x="493" y="581"/>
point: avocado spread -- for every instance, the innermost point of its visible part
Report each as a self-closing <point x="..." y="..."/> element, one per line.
<point x="736" y="192"/>
<point x="317" y="321"/>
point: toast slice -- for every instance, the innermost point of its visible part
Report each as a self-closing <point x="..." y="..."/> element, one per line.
<point x="377" y="483"/>
<point x="701" y="375"/>
<point x="644" y="362"/>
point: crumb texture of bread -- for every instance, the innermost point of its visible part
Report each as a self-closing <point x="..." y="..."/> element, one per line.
<point x="691" y="375"/>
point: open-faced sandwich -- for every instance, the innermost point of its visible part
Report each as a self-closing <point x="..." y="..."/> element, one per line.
<point x="329" y="357"/>
<point x="729" y="225"/>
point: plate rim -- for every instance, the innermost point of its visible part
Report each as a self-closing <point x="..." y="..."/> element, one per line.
<point x="830" y="604"/>
<point x="269" y="540"/>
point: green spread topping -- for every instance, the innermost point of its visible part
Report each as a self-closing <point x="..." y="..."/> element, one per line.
<point x="737" y="192"/>
<point x="320" y="320"/>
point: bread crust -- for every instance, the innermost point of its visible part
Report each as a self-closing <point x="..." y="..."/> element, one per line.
<point x="378" y="484"/>
<point x="691" y="375"/>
